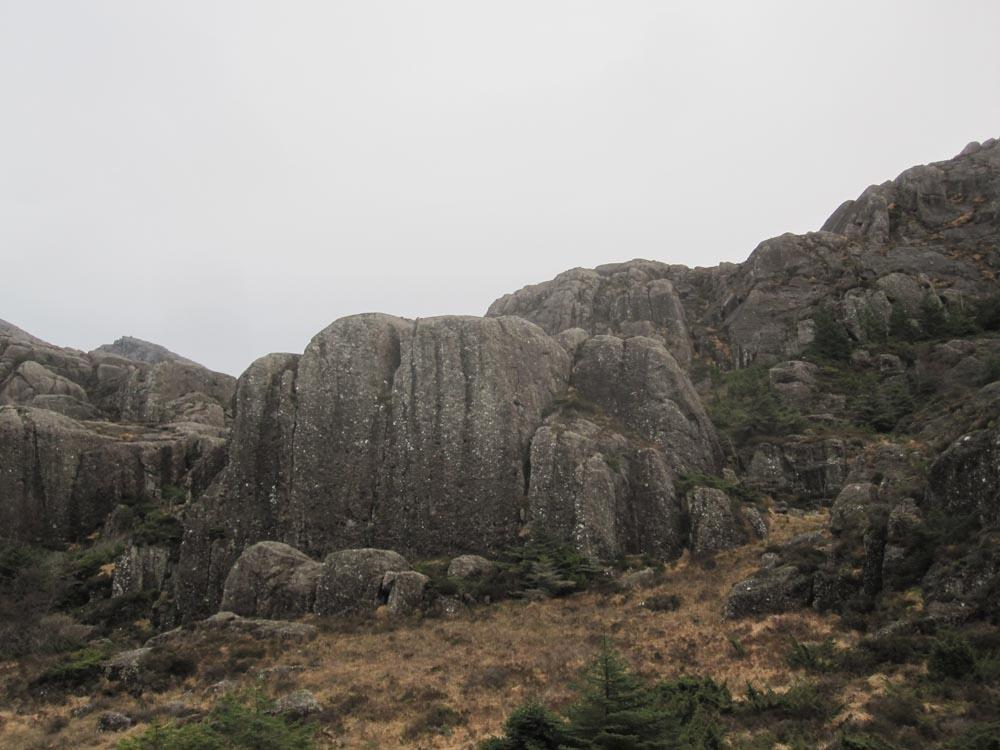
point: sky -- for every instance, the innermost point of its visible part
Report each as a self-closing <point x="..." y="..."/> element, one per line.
<point x="227" y="177"/>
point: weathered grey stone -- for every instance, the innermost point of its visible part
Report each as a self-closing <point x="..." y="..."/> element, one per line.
<point x="624" y="299"/>
<point x="229" y="621"/>
<point x="351" y="580"/>
<point x="271" y="579"/>
<point x="126" y="666"/>
<point x="639" y="383"/>
<point x="470" y="566"/>
<point x="715" y="524"/>
<point x="469" y="396"/>
<point x="965" y="479"/>
<point x="113" y="721"/>
<point x="140" y="569"/>
<point x="597" y="489"/>
<point x="59" y="479"/>
<point x="405" y="591"/>
<point x="638" y="579"/>
<point x="780" y="589"/>
<point x="794" y="382"/>
<point x="800" y="468"/>
<point x="852" y="508"/>
<point x="300" y="704"/>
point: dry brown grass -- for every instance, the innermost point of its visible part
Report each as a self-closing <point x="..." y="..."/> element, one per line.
<point x="379" y="678"/>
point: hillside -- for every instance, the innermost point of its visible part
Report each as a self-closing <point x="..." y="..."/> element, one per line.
<point x="426" y="522"/>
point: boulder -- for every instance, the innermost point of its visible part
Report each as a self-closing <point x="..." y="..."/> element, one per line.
<point x="470" y="566"/>
<point x="301" y="704"/>
<point x="801" y="468"/>
<point x="140" y="568"/>
<point x="715" y="523"/>
<point x="263" y="629"/>
<point x="405" y="591"/>
<point x="851" y="510"/>
<point x="965" y="479"/>
<point x="271" y="579"/>
<point x="769" y="591"/>
<point x="113" y="721"/>
<point x="351" y="580"/>
<point x="794" y="382"/>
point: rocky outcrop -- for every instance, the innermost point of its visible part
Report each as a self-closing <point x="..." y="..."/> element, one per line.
<point x="138" y="350"/>
<point x="470" y="566"/>
<point x="140" y="568"/>
<point x="716" y="522"/>
<point x="801" y="468"/>
<point x="59" y="478"/>
<point x="271" y="579"/>
<point x="625" y="299"/>
<point x="469" y="396"/>
<point x="353" y="580"/>
<point x="769" y="591"/>
<point x="965" y="479"/>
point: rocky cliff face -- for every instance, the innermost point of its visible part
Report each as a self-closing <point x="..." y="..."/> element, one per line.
<point x="579" y="407"/>
<point x="448" y="435"/>
<point x="81" y="433"/>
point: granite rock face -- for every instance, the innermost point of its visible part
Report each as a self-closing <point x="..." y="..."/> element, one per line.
<point x="59" y="478"/>
<point x="79" y="433"/>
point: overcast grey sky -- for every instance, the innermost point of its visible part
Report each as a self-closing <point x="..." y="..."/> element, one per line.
<point x="226" y="178"/>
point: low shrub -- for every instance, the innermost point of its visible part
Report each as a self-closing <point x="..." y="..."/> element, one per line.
<point x="77" y="669"/>
<point x="238" y="721"/>
<point x="951" y="657"/>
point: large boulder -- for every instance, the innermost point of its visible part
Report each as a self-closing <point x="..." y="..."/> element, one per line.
<point x="716" y="524"/>
<point x="470" y="566"/>
<point x="853" y="507"/>
<point x="352" y="580"/>
<point x="801" y="468"/>
<point x="271" y="579"/>
<point x="965" y="479"/>
<point x="769" y="591"/>
<point x="405" y="591"/>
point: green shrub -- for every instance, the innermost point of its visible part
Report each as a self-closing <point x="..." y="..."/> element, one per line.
<point x="171" y="493"/>
<point x="803" y="700"/>
<point x="77" y="669"/>
<point x="158" y="528"/>
<point x="984" y="736"/>
<point x="864" y="742"/>
<point x="813" y="657"/>
<point x="831" y="342"/>
<point x="616" y="709"/>
<point x="530" y="727"/>
<point x="238" y="721"/>
<point x="744" y="406"/>
<point x="544" y="564"/>
<point x="952" y="657"/>
<point x="987" y="313"/>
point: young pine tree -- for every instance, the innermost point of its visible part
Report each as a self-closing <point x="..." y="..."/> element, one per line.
<point x="530" y="727"/>
<point x="616" y="711"/>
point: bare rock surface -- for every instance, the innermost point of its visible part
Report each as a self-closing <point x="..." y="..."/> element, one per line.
<point x="271" y="580"/>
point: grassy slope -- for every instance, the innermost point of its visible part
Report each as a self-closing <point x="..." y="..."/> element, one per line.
<point x="384" y="684"/>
